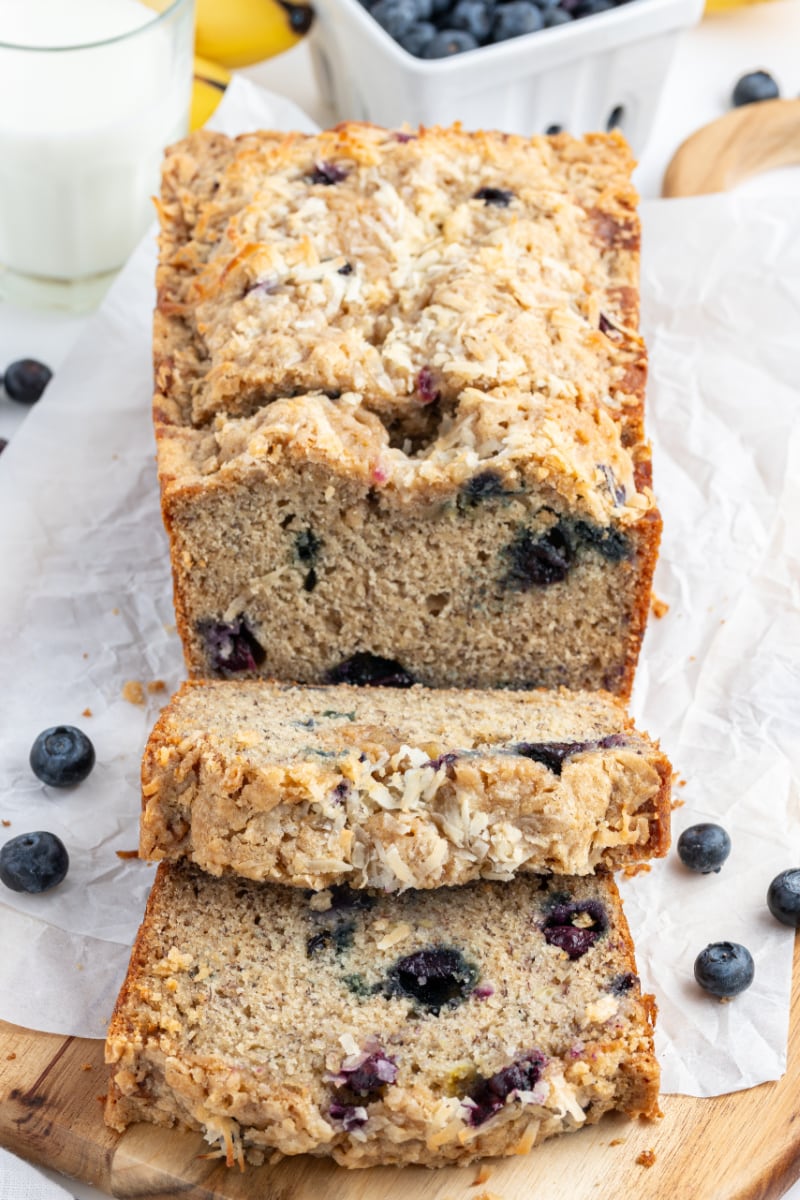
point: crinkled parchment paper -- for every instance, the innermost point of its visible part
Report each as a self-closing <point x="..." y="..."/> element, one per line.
<point x="85" y="602"/>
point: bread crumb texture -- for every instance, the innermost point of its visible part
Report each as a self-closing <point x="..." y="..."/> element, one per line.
<point x="510" y="1012"/>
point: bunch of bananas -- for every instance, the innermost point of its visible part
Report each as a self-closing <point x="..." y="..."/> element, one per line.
<point x="236" y="34"/>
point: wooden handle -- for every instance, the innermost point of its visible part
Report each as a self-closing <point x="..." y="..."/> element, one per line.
<point x="747" y="140"/>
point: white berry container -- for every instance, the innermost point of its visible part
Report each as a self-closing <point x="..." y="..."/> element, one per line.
<point x="594" y="73"/>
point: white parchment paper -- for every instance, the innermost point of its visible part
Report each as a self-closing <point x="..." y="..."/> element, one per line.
<point x="85" y="604"/>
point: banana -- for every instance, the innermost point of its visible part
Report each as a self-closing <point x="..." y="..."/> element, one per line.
<point x="210" y="81"/>
<point x="237" y="33"/>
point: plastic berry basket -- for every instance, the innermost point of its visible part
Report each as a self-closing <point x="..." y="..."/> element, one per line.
<point x="596" y="72"/>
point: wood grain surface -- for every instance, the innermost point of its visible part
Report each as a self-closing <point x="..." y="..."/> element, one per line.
<point x="744" y="142"/>
<point x="744" y="1146"/>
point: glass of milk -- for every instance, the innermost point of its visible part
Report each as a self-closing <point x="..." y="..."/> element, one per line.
<point x="91" y="91"/>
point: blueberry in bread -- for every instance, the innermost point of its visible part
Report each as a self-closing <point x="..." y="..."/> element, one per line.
<point x="399" y="407"/>
<point x="431" y="1027"/>
<point x="382" y="787"/>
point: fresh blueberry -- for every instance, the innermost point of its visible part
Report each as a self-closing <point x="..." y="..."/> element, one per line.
<point x="62" y="756"/>
<point x="488" y="1096"/>
<point x="347" y="269"/>
<point x="724" y="969"/>
<point x="753" y="87"/>
<point x="704" y="847"/>
<point x="326" y="173"/>
<point x="33" y="862"/>
<point x="499" y="197"/>
<point x="516" y="18"/>
<point x="537" y="561"/>
<point x="395" y="16"/>
<point x="552" y="130"/>
<point x="592" y="7"/>
<point x="559" y="928"/>
<point x="417" y="37"/>
<point x="436" y="978"/>
<point x="783" y="897"/>
<point x="449" y="42"/>
<point x="552" y="17"/>
<point x="26" y="379"/>
<point x="553" y="755"/>
<point x="474" y="16"/>
<point x="231" y="646"/>
<point x="370" y="670"/>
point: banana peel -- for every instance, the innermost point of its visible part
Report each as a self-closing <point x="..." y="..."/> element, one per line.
<point x="237" y="33"/>
<point x="210" y="81"/>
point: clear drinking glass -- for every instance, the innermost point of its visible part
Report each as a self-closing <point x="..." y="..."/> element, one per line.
<point x="91" y="91"/>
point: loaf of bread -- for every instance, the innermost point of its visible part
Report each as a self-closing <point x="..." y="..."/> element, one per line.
<point x="375" y="787"/>
<point x="430" y="1027"/>
<point x="399" y="408"/>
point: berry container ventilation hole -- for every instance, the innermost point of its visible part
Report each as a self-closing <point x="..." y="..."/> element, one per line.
<point x="597" y="72"/>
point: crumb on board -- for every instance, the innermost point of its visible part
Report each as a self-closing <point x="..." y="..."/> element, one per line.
<point x="10" y="1057"/>
<point x="87" y="712"/>
<point x="646" y="1159"/>
<point x="5" y="823"/>
<point x="484" y="1173"/>
<point x="488" y="1196"/>
<point x="115" y="612"/>
<point x="617" y="1142"/>
<point x="659" y="608"/>
<point x="632" y="869"/>
<point x="676" y="803"/>
<point x="133" y="692"/>
<point x="86" y="1066"/>
<point x="155" y="686"/>
<point x="127" y="853"/>
<point x="173" y="628"/>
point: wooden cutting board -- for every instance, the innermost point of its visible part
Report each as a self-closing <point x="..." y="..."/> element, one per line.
<point x="745" y="1146"/>
<point x="743" y="142"/>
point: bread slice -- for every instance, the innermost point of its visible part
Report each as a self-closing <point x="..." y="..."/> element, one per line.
<point x="430" y="1027"/>
<point x="399" y="406"/>
<point x="380" y="787"/>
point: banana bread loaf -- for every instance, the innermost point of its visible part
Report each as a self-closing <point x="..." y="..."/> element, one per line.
<point x="430" y="1027"/>
<point x="399" y="408"/>
<point x="375" y="787"/>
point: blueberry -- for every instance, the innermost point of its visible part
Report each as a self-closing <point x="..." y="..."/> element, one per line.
<point x="33" y="862"/>
<point x="623" y="983"/>
<point x="370" y="670"/>
<point x="307" y="546"/>
<point x="326" y="173"/>
<point x="371" y="1074"/>
<point x="436" y="978"/>
<point x="26" y="379"/>
<point x="611" y="543"/>
<point x="427" y="390"/>
<point x="417" y="37"/>
<point x="724" y="969"/>
<point x="537" y="561"/>
<point x="352" y="1116"/>
<point x="62" y="756"/>
<point x="449" y="42"/>
<point x="488" y="1096"/>
<point x="704" y="848"/>
<point x="554" y="754"/>
<point x="556" y="16"/>
<point x="559" y="928"/>
<point x="592" y="7"/>
<point x="395" y="16"/>
<point x="231" y="646"/>
<point x="3" y="444"/>
<point x="474" y="16"/>
<point x="783" y="897"/>
<point x="755" y="86"/>
<point x="487" y="485"/>
<point x="515" y="19"/>
<point x="347" y="269"/>
<point x="499" y="197"/>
